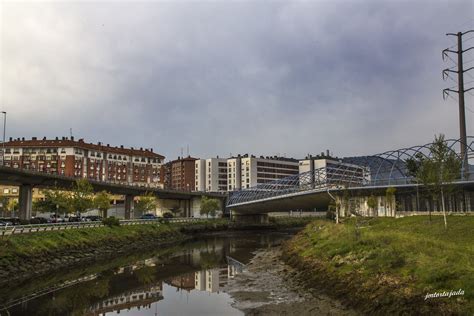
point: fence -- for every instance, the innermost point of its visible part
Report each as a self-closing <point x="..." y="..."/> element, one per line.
<point x="33" y="228"/>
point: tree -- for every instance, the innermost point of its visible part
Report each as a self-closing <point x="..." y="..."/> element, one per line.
<point x="209" y="206"/>
<point x="58" y="200"/>
<point x="82" y="196"/>
<point x="389" y="195"/>
<point x="372" y="203"/>
<point x="146" y="203"/>
<point x="345" y="201"/>
<point x="4" y="204"/>
<point x="437" y="172"/>
<point x="102" y="202"/>
<point x="44" y="206"/>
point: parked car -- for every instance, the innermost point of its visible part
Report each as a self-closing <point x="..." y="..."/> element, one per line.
<point x="148" y="216"/>
<point x="38" y="220"/>
<point x="168" y="215"/>
<point x="5" y="223"/>
<point x="74" y="219"/>
<point x="12" y="220"/>
<point x="94" y="218"/>
<point x="56" y="219"/>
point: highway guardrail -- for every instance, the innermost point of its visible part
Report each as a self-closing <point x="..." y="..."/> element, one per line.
<point x="33" y="228"/>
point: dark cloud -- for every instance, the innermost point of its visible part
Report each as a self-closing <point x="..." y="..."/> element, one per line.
<point x="233" y="77"/>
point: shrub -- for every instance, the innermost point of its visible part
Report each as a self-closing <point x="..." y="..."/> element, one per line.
<point x="111" y="221"/>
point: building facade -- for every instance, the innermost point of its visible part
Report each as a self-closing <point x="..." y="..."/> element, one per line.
<point x="76" y="158"/>
<point x="332" y="171"/>
<point x="247" y="171"/>
<point x="179" y="174"/>
<point x="211" y="175"/>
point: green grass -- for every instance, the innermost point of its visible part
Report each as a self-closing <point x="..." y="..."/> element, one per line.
<point x="29" y="244"/>
<point x="288" y="222"/>
<point x="24" y="245"/>
<point x="416" y="256"/>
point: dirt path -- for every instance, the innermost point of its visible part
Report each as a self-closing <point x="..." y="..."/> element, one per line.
<point x="266" y="287"/>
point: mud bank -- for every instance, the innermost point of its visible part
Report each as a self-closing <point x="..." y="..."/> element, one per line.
<point x="268" y="286"/>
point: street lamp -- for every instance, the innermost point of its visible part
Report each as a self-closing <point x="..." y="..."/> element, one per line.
<point x="4" y="130"/>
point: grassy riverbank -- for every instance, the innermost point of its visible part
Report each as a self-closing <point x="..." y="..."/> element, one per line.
<point x="389" y="265"/>
<point x="25" y="255"/>
<point x="44" y="242"/>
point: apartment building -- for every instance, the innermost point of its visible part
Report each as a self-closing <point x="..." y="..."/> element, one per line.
<point x="329" y="170"/>
<point x="179" y="174"/>
<point x="211" y="175"/>
<point x="247" y="171"/>
<point x="77" y="158"/>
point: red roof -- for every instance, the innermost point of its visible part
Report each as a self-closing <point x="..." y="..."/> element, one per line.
<point x="66" y="142"/>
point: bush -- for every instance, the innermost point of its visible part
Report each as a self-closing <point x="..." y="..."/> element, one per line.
<point x="111" y="221"/>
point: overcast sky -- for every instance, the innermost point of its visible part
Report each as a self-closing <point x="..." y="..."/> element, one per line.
<point x="288" y="78"/>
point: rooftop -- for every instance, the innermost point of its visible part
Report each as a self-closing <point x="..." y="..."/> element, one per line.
<point x="71" y="142"/>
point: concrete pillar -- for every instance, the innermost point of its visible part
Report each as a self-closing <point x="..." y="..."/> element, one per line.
<point x="189" y="209"/>
<point x="25" y="201"/>
<point x="128" y="205"/>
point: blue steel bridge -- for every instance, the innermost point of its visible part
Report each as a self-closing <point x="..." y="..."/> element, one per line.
<point x="313" y="189"/>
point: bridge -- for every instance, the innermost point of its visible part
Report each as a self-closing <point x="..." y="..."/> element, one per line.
<point x="26" y="180"/>
<point x="356" y="178"/>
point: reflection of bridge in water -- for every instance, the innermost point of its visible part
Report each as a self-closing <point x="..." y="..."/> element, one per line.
<point x="363" y="175"/>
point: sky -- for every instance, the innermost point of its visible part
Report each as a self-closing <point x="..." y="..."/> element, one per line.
<point x="281" y="78"/>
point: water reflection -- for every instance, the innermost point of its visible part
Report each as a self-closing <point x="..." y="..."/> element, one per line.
<point x="185" y="280"/>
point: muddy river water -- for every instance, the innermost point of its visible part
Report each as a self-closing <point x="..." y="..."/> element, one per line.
<point x="224" y="274"/>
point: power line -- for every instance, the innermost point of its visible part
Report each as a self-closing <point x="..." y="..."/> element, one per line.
<point x="460" y="72"/>
<point x="470" y="38"/>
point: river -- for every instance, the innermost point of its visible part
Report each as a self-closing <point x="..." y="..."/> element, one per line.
<point x="186" y="279"/>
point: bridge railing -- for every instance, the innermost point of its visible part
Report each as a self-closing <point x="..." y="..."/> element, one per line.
<point x="33" y="228"/>
<point x="385" y="169"/>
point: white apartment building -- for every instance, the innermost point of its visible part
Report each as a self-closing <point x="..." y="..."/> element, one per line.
<point x="247" y="171"/>
<point x="334" y="171"/>
<point x="211" y="175"/>
<point x="210" y="280"/>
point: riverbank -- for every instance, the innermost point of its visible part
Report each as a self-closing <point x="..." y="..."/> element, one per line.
<point x="388" y="266"/>
<point x="24" y="256"/>
<point x="268" y="287"/>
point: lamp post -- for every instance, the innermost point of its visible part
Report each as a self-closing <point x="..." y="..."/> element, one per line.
<point x="4" y="130"/>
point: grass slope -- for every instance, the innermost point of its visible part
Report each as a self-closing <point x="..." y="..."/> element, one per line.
<point x="389" y="265"/>
<point x="44" y="242"/>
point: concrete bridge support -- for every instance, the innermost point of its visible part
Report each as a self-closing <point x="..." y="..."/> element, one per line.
<point x="250" y="219"/>
<point x="25" y="200"/>
<point x="187" y="208"/>
<point x="128" y="205"/>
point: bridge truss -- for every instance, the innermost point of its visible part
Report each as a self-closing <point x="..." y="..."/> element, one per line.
<point x="384" y="169"/>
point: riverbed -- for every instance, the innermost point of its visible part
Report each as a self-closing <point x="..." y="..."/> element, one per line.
<point x="232" y="273"/>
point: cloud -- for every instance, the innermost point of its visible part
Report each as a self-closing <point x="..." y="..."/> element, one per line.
<point x="356" y="77"/>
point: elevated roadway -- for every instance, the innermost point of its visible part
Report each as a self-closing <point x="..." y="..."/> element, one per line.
<point x="26" y="180"/>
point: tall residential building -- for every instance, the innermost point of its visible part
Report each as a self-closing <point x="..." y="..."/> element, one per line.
<point x="76" y="158"/>
<point x="248" y="171"/>
<point x="332" y="171"/>
<point x="211" y="175"/>
<point x="179" y="174"/>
